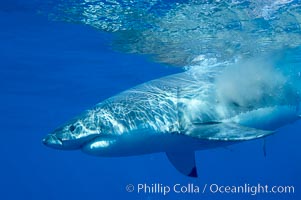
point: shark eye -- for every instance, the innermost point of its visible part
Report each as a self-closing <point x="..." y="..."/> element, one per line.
<point x="72" y="128"/>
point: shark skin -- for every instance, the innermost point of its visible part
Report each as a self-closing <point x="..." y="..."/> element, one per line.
<point x="177" y="114"/>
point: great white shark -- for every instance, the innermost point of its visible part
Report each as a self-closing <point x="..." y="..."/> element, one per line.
<point x="177" y="114"/>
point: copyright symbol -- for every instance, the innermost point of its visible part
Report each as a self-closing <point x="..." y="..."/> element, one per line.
<point x="130" y="188"/>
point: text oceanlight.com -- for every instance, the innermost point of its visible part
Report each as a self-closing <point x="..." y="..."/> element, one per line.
<point x="191" y="188"/>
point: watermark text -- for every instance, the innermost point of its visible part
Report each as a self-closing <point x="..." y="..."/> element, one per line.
<point x="213" y="188"/>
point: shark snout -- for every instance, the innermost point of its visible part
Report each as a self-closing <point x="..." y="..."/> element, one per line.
<point x="53" y="141"/>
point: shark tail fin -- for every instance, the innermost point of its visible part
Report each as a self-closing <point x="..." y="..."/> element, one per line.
<point x="184" y="162"/>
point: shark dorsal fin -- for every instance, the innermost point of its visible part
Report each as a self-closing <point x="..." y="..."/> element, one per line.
<point x="184" y="162"/>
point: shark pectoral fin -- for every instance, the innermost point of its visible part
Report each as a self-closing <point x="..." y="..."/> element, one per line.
<point x="184" y="162"/>
<point x="207" y="123"/>
<point x="226" y="131"/>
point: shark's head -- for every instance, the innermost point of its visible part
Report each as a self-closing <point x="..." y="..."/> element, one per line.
<point x="73" y="135"/>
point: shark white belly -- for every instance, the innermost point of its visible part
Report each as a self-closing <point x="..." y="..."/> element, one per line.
<point x="177" y="114"/>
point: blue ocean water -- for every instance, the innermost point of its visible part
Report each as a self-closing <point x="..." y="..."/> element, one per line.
<point x="52" y="70"/>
